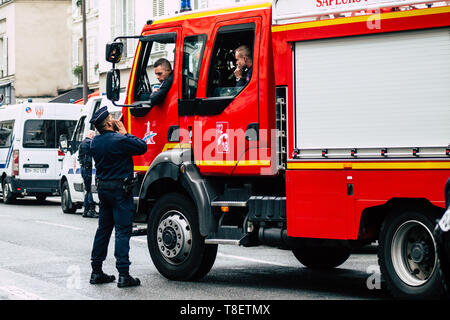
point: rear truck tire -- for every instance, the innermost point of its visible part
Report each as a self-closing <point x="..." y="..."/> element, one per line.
<point x="407" y="256"/>
<point x="67" y="205"/>
<point x="175" y="244"/>
<point x="8" y="196"/>
<point x="321" y="258"/>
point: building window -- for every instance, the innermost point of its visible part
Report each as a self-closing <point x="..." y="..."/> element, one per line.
<point x="92" y="59"/>
<point x="158" y="11"/>
<point x="5" y="91"/>
<point x="3" y="49"/>
<point x="200" y="4"/>
<point x="3" y="56"/>
<point x="122" y="23"/>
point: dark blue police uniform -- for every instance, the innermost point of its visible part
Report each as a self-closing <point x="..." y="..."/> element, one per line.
<point x="245" y="77"/>
<point x="85" y="160"/>
<point x="112" y="153"/>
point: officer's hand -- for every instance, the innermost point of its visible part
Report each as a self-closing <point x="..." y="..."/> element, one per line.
<point x="238" y="73"/>
<point x="121" y="127"/>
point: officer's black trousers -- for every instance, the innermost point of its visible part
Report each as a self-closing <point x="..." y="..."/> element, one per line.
<point x="86" y="174"/>
<point x="116" y="211"/>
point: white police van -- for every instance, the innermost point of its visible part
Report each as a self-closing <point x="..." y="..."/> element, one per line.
<point x="30" y="162"/>
<point x="71" y="182"/>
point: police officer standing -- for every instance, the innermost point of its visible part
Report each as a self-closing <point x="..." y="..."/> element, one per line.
<point x="85" y="160"/>
<point x="112" y="151"/>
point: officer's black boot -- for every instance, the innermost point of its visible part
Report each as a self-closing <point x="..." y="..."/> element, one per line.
<point x="100" y="277"/>
<point x="128" y="281"/>
<point x="91" y="213"/>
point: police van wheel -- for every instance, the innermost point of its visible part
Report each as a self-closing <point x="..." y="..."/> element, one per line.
<point x="66" y="202"/>
<point x="8" y="196"/>
<point x="176" y="247"/>
<point x="407" y="256"/>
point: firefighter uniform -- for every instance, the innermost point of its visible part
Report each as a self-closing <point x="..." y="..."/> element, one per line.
<point x="112" y="153"/>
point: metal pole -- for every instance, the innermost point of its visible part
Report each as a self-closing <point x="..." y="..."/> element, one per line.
<point x="85" y="62"/>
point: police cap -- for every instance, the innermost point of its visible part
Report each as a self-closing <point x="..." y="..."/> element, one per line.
<point x="99" y="116"/>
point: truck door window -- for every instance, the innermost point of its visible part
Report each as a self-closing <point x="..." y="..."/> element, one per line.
<point x="96" y="107"/>
<point x="192" y="56"/>
<point x="221" y="79"/>
<point x="6" y="130"/>
<point x="78" y="136"/>
<point x="152" y="49"/>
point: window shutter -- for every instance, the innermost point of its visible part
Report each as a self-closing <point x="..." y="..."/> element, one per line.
<point x="161" y="8"/>
<point x="5" y="56"/>
<point x="131" y="43"/>
<point x="74" y="59"/>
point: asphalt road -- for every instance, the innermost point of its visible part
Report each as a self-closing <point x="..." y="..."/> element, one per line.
<point x="45" y="255"/>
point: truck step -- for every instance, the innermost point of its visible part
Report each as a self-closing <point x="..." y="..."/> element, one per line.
<point x="228" y="203"/>
<point x="139" y="231"/>
<point x="222" y="241"/>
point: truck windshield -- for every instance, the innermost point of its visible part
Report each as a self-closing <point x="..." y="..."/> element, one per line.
<point x="45" y="133"/>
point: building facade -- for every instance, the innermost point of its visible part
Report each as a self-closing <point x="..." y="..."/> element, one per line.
<point x="34" y="49"/>
<point x="92" y="34"/>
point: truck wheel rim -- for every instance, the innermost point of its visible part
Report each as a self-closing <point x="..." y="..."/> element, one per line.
<point x="413" y="253"/>
<point x="174" y="237"/>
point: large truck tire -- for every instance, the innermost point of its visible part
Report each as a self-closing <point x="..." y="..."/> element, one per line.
<point x="67" y="205"/>
<point x="321" y="258"/>
<point x="8" y="196"/>
<point x="176" y="247"/>
<point x="407" y="256"/>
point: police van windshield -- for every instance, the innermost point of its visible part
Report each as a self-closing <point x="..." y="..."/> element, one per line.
<point x="45" y="133"/>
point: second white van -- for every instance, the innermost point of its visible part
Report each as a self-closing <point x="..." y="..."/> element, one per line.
<point x="71" y="182"/>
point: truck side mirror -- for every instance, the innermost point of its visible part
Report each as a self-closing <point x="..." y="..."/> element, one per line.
<point x="113" y="85"/>
<point x="114" y="51"/>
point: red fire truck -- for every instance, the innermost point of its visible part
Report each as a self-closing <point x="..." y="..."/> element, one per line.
<point x="340" y="138"/>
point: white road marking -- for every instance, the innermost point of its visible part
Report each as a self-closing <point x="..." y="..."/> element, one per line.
<point x="59" y="225"/>
<point x="252" y="260"/>
<point x="18" y="293"/>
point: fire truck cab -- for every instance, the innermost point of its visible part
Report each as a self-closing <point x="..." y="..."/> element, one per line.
<point x="339" y="138"/>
